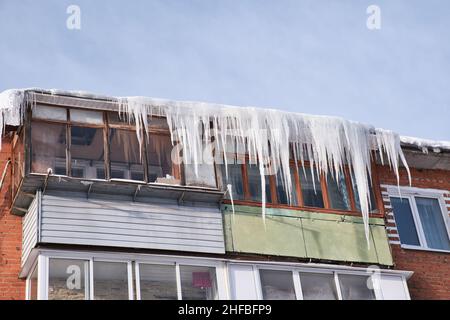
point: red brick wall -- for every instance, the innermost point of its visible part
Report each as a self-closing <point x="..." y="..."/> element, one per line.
<point x="11" y="287"/>
<point x="431" y="279"/>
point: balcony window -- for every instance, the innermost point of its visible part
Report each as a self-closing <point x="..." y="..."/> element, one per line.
<point x="159" y="151"/>
<point x="311" y="188"/>
<point x="87" y="152"/>
<point x="198" y="283"/>
<point x="277" y="285"/>
<point x="235" y="179"/>
<point x="282" y="196"/>
<point x="68" y="279"/>
<point x="338" y="193"/>
<point x="318" y="286"/>
<point x="125" y="157"/>
<point x="356" y="287"/>
<point x="111" y="281"/>
<point x="158" y="282"/>
<point x="254" y="183"/>
<point x="48" y="147"/>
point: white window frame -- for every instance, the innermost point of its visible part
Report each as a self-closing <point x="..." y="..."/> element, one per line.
<point x="221" y="267"/>
<point x="410" y="193"/>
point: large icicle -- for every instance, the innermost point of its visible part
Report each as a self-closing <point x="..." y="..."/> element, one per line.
<point x="329" y="142"/>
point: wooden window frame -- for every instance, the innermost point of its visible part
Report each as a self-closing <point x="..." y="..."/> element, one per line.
<point x="325" y="194"/>
<point x="106" y="126"/>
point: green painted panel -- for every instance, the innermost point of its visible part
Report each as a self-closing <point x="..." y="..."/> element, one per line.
<point x="280" y="236"/>
<point x="337" y="241"/>
<point x="303" y="234"/>
<point x="382" y="245"/>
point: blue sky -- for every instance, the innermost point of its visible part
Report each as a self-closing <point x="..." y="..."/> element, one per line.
<point x="305" y="56"/>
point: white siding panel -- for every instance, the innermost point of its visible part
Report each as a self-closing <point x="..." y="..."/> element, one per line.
<point x="30" y="229"/>
<point x="77" y="220"/>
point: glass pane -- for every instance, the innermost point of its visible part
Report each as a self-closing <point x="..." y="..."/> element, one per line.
<point x="433" y="223"/>
<point x="311" y="190"/>
<point x="110" y="281"/>
<point x="356" y="287"/>
<point x="338" y="193"/>
<point x="49" y="113"/>
<point x="234" y="178"/>
<point x="277" y="285"/>
<point x="125" y="157"/>
<point x="86" y="116"/>
<point x="373" y="202"/>
<point x="318" y="286"/>
<point x="67" y="279"/>
<point x="405" y="221"/>
<point x="120" y="118"/>
<point x="33" y="284"/>
<point x="282" y="195"/>
<point x="159" y="152"/>
<point x="198" y="283"/>
<point x="254" y="181"/>
<point x="158" y="282"/>
<point x="48" y="147"/>
<point x="87" y="152"/>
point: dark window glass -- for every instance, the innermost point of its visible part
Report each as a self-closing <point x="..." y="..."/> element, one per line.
<point x="125" y="155"/>
<point x="48" y="147"/>
<point x="318" y="286"/>
<point x="277" y="285"/>
<point x="282" y="195"/>
<point x="311" y="190"/>
<point x="254" y="181"/>
<point x="120" y="118"/>
<point x="159" y="152"/>
<point x="433" y="224"/>
<point x="158" y="282"/>
<point x="235" y="179"/>
<point x="405" y="221"/>
<point x="87" y="152"/>
<point x="338" y="193"/>
<point x="356" y="287"/>
<point x="373" y="202"/>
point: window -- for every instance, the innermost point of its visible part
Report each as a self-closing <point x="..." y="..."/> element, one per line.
<point x="311" y="188"/>
<point x="158" y="282"/>
<point x="87" y="153"/>
<point x="125" y="157"/>
<point x="355" y="287"/>
<point x="234" y="178"/>
<point x="405" y="221"/>
<point x="421" y="218"/>
<point x="111" y="281"/>
<point x="338" y="193"/>
<point x="373" y="202"/>
<point x="254" y="182"/>
<point x="318" y="286"/>
<point x="48" y="147"/>
<point x="198" y="283"/>
<point x="159" y="150"/>
<point x="68" y="279"/>
<point x="282" y="196"/>
<point x="277" y="285"/>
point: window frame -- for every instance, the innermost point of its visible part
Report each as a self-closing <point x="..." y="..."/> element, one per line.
<point x="296" y="169"/>
<point x="411" y="193"/>
<point x="106" y="126"/>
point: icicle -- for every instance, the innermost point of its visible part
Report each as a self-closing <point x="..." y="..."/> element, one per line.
<point x="330" y="143"/>
<point x="230" y="192"/>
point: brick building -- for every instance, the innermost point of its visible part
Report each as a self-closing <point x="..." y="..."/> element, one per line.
<point x="91" y="209"/>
